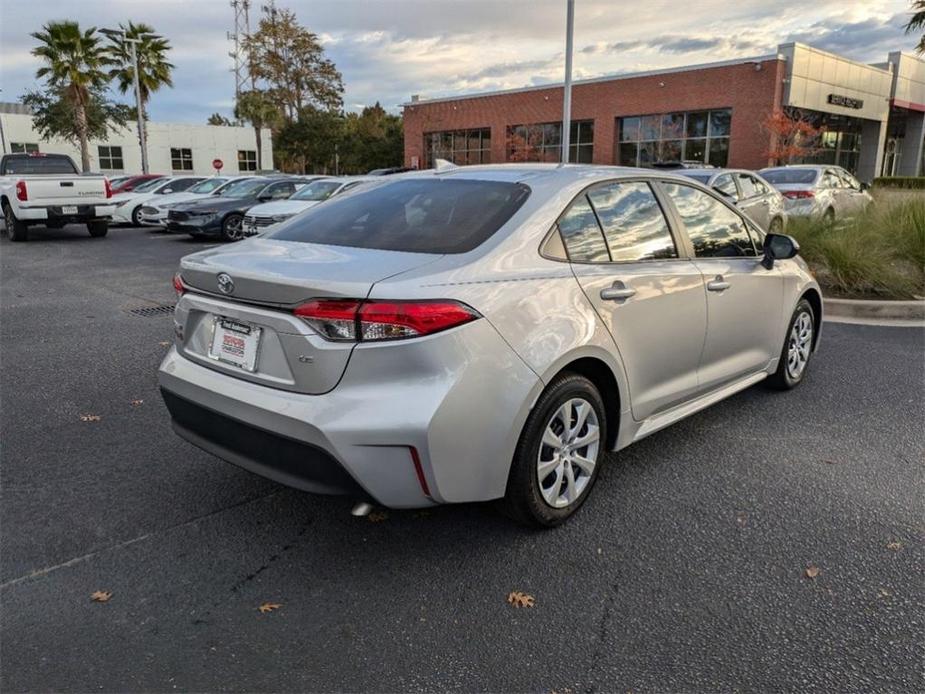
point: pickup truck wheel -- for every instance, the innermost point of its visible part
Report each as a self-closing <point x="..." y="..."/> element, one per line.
<point x="98" y="229"/>
<point x="15" y="229"/>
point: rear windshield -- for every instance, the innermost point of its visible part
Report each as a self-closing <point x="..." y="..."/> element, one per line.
<point x="148" y="185"/>
<point x="27" y="166"/>
<point x="420" y="216"/>
<point x="790" y="175"/>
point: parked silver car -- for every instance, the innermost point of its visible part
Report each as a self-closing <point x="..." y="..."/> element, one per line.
<point x="821" y="192"/>
<point x="481" y="333"/>
<point x="750" y="192"/>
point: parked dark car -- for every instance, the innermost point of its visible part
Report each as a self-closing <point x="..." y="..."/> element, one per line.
<point x="223" y="215"/>
<point x="128" y="183"/>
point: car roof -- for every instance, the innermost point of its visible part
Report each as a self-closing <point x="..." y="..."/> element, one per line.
<point x="542" y="175"/>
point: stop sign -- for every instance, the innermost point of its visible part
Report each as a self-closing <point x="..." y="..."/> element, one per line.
<point x="217" y="164"/>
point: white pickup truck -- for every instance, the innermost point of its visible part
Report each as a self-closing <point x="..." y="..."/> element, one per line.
<point x="48" y="189"/>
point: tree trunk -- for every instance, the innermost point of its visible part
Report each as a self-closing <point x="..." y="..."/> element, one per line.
<point x="259" y="148"/>
<point x="80" y="113"/>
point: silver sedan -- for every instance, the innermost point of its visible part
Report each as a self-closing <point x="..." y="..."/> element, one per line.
<point x="749" y="191"/>
<point x="821" y="192"/>
<point x="486" y="332"/>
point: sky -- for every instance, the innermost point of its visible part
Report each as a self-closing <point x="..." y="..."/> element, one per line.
<point x="388" y="50"/>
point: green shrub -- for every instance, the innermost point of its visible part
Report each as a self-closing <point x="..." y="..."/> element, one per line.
<point x="905" y="182"/>
<point x="879" y="254"/>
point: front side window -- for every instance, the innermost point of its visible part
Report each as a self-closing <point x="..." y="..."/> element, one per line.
<point x="110" y="158"/>
<point x="181" y="159"/>
<point x="634" y="226"/>
<point x="247" y="160"/>
<point x="714" y="230"/>
<point x="178" y="185"/>
<point x="279" y="191"/>
<point x="433" y="215"/>
<point x="316" y="191"/>
<point x="582" y="235"/>
<point x="208" y="185"/>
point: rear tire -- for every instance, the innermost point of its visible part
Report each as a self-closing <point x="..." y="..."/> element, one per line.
<point x="16" y="230"/>
<point x="98" y="229"/>
<point x="797" y="349"/>
<point x="556" y="462"/>
<point x="233" y="227"/>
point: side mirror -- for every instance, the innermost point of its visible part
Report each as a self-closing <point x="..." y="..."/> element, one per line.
<point x="166" y="190"/>
<point x="778" y="247"/>
<point x="264" y="198"/>
<point x="865" y="185"/>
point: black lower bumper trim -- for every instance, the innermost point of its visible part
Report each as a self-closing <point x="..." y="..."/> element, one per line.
<point x="282" y="459"/>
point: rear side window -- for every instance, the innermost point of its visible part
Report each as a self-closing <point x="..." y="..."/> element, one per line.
<point x="582" y="234"/>
<point x="433" y="215"/>
<point x="747" y="184"/>
<point x="714" y="229"/>
<point x="634" y="226"/>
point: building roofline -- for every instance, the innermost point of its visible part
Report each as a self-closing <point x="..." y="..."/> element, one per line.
<point x="875" y="66"/>
<point x="603" y="78"/>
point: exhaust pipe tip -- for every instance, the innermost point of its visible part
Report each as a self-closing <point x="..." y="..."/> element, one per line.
<point x="361" y="508"/>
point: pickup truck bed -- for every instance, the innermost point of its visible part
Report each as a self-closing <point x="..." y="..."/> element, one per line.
<point x="47" y="189"/>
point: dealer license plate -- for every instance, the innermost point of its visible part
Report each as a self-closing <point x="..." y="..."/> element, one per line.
<point x="69" y="209"/>
<point x="235" y="343"/>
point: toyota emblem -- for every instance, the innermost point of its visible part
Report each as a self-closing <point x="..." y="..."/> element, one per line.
<point x="225" y="283"/>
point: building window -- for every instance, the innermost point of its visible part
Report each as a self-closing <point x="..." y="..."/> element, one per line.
<point x="543" y="142"/>
<point x="247" y="160"/>
<point x="458" y="146"/>
<point x="839" y="142"/>
<point x="110" y="158"/>
<point x="695" y="136"/>
<point x="181" y="159"/>
<point x="23" y="147"/>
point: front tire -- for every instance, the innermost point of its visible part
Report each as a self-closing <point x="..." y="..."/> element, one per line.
<point x="559" y="453"/>
<point x="98" y="229"/>
<point x="797" y="349"/>
<point x="136" y="216"/>
<point x="233" y="227"/>
<point x="16" y="230"/>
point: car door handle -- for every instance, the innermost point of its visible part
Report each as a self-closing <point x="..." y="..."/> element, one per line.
<point x="717" y="284"/>
<point x="617" y="292"/>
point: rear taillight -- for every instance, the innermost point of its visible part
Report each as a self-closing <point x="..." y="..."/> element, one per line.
<point x="21" y="193"/>
<point x="799" y="194"/>
<point x="108" y="188"/>
<point x="178" y="285"/>
<point x="353" y="320"/>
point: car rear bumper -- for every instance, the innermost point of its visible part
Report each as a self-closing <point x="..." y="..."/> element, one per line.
<point x="411" y="424"/>
<point x="55" y="213"/>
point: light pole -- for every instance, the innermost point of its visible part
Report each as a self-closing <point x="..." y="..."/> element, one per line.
<point x="567" y="87"/>
<point x="133" y="43"/>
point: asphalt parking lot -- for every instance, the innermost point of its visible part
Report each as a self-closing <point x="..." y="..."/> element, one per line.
<point x="686" y="571"/>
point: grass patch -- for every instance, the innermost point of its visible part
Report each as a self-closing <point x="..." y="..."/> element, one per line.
<point x="878" y="255"/>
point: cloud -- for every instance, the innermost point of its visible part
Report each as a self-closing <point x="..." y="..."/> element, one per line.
<point x="856" y="39"/>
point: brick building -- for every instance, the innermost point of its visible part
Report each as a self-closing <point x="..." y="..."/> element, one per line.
<point x="873" y="115"/>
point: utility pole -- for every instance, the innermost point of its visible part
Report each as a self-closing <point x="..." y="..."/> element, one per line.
<point x="243" y="70"/>
<point x="139" y="109"/>
<point x="567" y="87"/>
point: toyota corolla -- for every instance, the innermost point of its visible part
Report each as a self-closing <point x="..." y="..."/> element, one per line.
<point x="487" y="332"/>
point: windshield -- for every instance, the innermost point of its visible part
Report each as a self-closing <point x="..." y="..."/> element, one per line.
<point x="38" y="165"/>
<point x="148" y="186"/>
<point x="317" y="191"/>
<point x="700" y="178"/>
<point x="207" y="186"/>
<point x="418" y="216"/>
<point x="243" y="189"/>
<point x="790" y="175"/>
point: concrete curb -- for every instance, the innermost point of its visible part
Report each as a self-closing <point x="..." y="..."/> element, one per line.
<point x="874" y="310"/>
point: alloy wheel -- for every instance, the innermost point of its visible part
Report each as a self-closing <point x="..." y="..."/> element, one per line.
<point x="568" y="452"/>
<point x="234" y="228"/>
<point x="799" y="345"/>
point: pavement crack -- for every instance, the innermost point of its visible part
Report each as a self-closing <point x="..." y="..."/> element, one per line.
<point x="40" y="573"/>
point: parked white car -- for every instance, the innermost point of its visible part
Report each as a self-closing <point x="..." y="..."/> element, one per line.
<point x="821" y="192"/>
<point x="128" y="205"/>
<point x="266" y="216"/>
<point x="154" y="211"/>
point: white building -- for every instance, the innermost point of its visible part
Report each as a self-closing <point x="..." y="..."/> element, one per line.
<point x="172" y="147"/>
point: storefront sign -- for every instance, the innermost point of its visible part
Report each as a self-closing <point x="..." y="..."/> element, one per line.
<point x="845" y="101"/>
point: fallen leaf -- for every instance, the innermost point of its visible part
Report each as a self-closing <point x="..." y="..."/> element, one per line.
<point x="422" y="514"/>
<point x="269" y="607"/>
<point x="90" y="418"/>
<point x="830" y="462"/>
<point x="812" y="571"/>
<point x="165" y="343"/>
<point x="894" y="545"/>
<point x="377" y="516"/>
<point x="884" y="593"/>
<point x="518" y="599"/>
<point x="136" y="403"/>
<point x="742" y="519"/>
<point x="101" y="596"/>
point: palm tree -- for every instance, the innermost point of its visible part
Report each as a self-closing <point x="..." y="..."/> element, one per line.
<point x="255" y="107"/>
<point x="75" y="63"/>
<point x="917" y="22"/>
<point x="153" y="68"/>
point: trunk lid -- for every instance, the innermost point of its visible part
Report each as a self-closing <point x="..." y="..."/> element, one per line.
<point x="269" y="278"/>
<point x="64" y="190"/>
